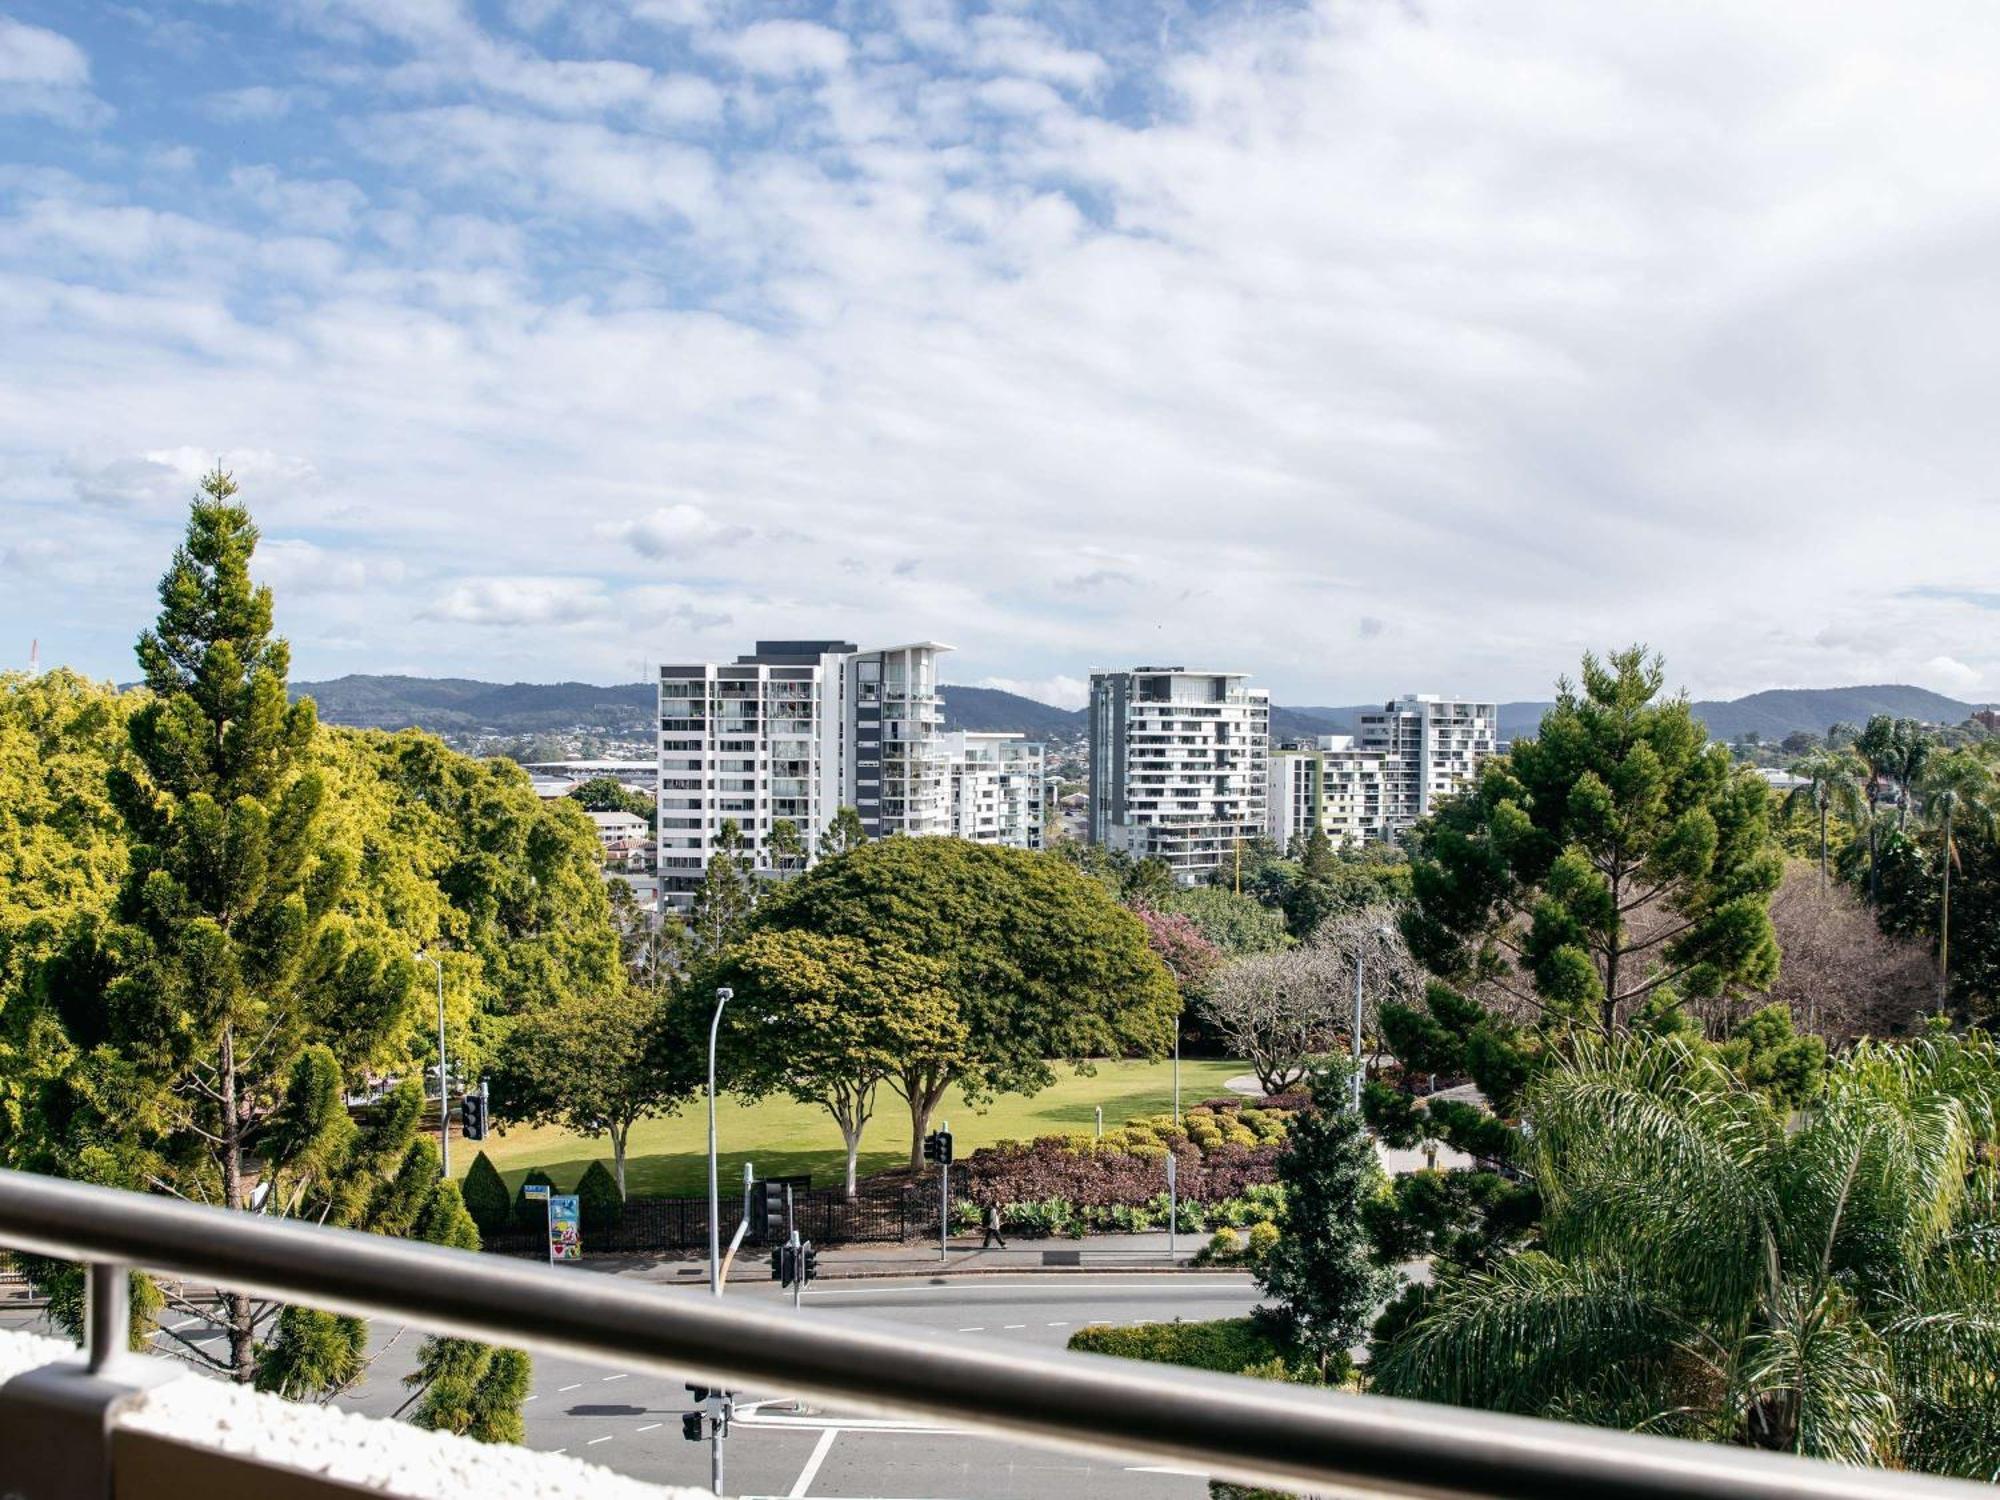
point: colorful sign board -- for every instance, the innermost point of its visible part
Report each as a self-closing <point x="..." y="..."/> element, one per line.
<point x="534" y="1190"/>
<point x="565" y="1228"/>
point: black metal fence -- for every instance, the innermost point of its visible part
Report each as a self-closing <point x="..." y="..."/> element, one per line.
<point x="880" y="1213"/>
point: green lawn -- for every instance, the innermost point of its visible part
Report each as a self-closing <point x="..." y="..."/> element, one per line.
<point x="669" y="1157"/>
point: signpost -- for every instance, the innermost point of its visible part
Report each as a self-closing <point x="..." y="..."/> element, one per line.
<point x="1173" y="1203"/>
<point x="565" y="1228"/>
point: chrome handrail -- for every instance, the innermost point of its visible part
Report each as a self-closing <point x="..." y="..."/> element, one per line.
<point x="1248" y="1431"/>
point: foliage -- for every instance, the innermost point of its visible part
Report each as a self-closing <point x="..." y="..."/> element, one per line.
<point x="600" y="1202"/>
<point x="486" y="1197"/>
<point x="1843" y="976"/>
<point x="1714" y="1264"/>
<point x="1961" y="797"/>
<point x="1179" y="944"/>
<point x="609" y="794"/>
<point x="531" y="1215"/>
<point x="1230" y="1346"/>
<point x="828" y="1019"/>
<point x="723" y="901"/>
<point x="1041" y="963"/>
<point x="1615" y="854"/>
<point x="594" y="1064"/>
<point x="1321" y="1273"/>
<point x="1237" y="926"/>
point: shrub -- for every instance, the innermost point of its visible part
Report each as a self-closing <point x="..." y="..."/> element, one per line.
<point x="531" y="1215"/>
<point x="1229" y="1345"/>
<point x="1263" y="1236"/>
<point x="1223" y="1245"/>
<point x="599" y="1203"/>
<point x="486" y="1197"/>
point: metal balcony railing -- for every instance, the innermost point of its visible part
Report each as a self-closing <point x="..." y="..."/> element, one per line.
<point x="1248" y="1431"/>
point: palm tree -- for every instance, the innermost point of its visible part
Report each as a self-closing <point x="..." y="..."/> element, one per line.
<point x="1959" y="793"/>
<point x="1714" y="1266"/>
<point x="1835" y="780"/>
<point x="1907" y="752"/>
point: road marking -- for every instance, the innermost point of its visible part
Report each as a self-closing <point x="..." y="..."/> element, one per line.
<point x="1005" y="1326"/>
<point x="577" y="1387"/>
<point x="649" y="1426"/>
<point x="1164" y="1469"/>
<point x="1058" y="1325"/>
<point x="595" y="1441"/>
<point x="981" y="1328"/>
<point x="526" y="1399"/>
<point x="845" y="1424"/>
<point x="811" y="1471"/>
<point x="614" y="1377"/>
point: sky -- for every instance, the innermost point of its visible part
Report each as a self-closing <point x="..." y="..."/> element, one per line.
<point x="1367" y="347"/>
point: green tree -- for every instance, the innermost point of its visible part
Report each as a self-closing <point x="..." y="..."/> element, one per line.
<point x="608" y="794"/>
<point x="1714" y="1265"/>
<point x="1321" y="1273"/>
<point x="486" y="1198"/>
<point x="1835" y="782"/>
<point x="224" y="962"/>
<point x="593" y="1065"/>
<point x="842" y="833"/>
<point x="725" y="898"/>
<point x="1613" y="855"/>
<point x="827" y="1020"/>
<point x="788" y="847"/>
<point x="1238" y="926"/>
<point x="600" y="1202"/>
<point x="1960" y="797"/>
<point x="460" y="1385"/>
<point x="1041" y="962"/>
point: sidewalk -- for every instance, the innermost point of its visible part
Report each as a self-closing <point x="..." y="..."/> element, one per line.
<point x="1130" y="1254"/>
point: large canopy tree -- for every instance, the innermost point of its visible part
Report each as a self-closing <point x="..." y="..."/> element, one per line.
<point x="1614" y="854"/>
<point x="1714" y="1264"/>
<point x="1041" y="963"/>
<point x="828" y="1019"/>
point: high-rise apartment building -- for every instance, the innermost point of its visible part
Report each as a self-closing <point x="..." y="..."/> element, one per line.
<point x="796" y="730"/>
<point x="1330" y="783"/>
<point x="1177" y="764"/>
<point x="1437" y="744"/>
<point x="996" y="788"/>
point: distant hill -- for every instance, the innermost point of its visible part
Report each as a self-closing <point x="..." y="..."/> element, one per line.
<point x="992" y="711"/>
<point x="1772" y="714"/>
<point x="460" y="705"/>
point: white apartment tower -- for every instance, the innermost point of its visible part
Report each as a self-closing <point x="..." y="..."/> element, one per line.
<point x="1437" y="744"/>
<point x="1331" y="783"/>
<point x="793" y="732"/>
<point x="1177" y="765"/>
<point x="996" y="788"/>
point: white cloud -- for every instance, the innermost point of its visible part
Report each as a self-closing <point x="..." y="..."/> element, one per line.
<point x="259" y="102"/>
<point x="521" y="601"/>
<point x="784" y="49"/>
<point x="43" y="72"/>
<point x="292" y="565"/>
<point x="1950" y="675"/>
<point x="673" y="530"/>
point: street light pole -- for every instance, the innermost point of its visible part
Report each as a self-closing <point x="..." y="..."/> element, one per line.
<point x="444" y="1086"/>
<point x="722" y="997"/>
<point x="1177" y="1064"/>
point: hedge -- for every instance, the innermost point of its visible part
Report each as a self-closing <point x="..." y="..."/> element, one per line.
<point x="1230" y="1345"/>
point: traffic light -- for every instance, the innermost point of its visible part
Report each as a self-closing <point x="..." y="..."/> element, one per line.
<point x="691" y="1426"/>
<point x="472" y="1116"/>
<point x="931" y="1148"/>
<point x="937" y="1148"/>
<point x="767" y="1207"/>
<point x="781" y="1265"/>
<point x="698" y="1393"/>
<point x="810" y="1269"/>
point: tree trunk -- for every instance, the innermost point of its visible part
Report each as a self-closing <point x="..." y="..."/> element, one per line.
<point x="1822" y="846"/>
<point x="924" y="1096"/>
<point x="852" y="1140"/>
<point x="1874" y="844"/>
<point x="240" y="1321"/>
<point x="619" y="1133"/>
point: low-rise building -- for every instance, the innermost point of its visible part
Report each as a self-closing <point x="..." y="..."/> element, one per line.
<point x="1437" y="744"/>
<point x="1329" y="783"/>
<point x="996" y="788"/>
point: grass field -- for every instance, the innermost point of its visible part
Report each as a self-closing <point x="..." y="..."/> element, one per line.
<point x="669" y="1157"/>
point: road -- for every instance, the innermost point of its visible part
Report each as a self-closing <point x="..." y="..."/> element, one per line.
<point x="630" y="1420"/>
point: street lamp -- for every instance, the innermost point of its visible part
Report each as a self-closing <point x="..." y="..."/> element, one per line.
<point x="722" y="997"/>
<point x="444" y="1088"/>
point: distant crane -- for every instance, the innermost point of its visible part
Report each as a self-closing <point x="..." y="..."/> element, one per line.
<point x="35" y="657"/>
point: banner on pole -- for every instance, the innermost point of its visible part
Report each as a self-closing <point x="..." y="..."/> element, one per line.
<point x="565" y="1228"/>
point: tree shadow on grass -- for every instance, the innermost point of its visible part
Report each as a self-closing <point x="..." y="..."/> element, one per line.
<point x="684" y="1174"/>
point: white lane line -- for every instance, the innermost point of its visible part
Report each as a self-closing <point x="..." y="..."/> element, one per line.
<point x="845" y="1424"/>
<point x="649" y="1426"/>
<point x="526" y="1399"/>
<point x="1005" y="1326"/>
<point x="577" y="1387"/>
<point x="811" y="1471"/>
<point x="976" y="1328"/>
<point x="1058" y="1325"/>
<point x="595" y="1441"/>
<point x="614" y="1377"/>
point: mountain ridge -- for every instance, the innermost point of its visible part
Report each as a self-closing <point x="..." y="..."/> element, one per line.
<point x="464" y="705"/>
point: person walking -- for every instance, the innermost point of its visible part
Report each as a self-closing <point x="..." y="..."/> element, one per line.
<point x="993" y="1228"/>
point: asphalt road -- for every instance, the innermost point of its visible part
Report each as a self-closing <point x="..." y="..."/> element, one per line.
<point x="630" y="1420"/>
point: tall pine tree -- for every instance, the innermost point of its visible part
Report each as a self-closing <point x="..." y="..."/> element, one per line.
<point x="223" y="964"/>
